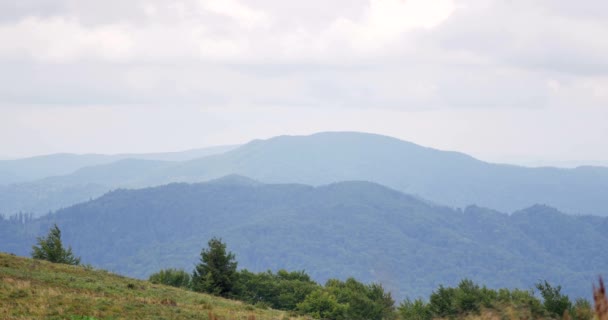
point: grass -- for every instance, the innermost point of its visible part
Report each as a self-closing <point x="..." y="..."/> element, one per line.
<point x="34" y="289"/>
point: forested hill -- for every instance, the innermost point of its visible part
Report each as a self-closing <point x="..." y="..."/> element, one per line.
<point x="450" y="178"/>
<point x="357" y="229"/>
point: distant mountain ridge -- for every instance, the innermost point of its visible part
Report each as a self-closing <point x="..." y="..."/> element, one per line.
<point x="343" y="229"/>
<point x="40" y="167"/>
<point x="450" y="178"/>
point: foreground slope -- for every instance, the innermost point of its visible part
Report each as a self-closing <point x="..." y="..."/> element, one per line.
<point x="449" y="178"/>
<point x="357" y="229"/>
<point x="34" y="289"/>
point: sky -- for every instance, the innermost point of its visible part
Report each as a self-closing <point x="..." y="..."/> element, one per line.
<point x="513" y="81"/>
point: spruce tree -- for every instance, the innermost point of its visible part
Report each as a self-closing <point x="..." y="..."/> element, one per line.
<point x="216" y="273"/>
<point x="51" y="249"/>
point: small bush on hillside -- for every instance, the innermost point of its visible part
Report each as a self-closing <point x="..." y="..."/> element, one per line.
<point x="581" y="310"/>
<point x="321" y="304"/>
<point x="282" y="290"/>
<point x="415" y="310"/>
<point x="555" y="302"/>
<point x="171" y="277"/>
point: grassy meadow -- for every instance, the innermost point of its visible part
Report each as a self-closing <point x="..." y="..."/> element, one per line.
<point x="34" y="289"/>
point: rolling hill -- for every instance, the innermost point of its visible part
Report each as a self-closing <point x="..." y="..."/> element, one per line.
<point x="449" y="178"/>
<point x="357" y="229"/>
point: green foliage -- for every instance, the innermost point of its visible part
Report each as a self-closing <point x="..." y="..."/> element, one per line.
<point x="433" y="239"/>
<point x="216" y="273"/>
<point x="321" y="304"/>
<point x="526" y="299"/>
<point x="414" y="310"/>
<point x="554" y="302"/>
<point x="581" y="310"/>
<point x="363" y="302"/>
<point x="51" y="249"/>
<point x="283" y="290"/>
<point x="171" y="277"/>
<point x="442" y="302"/>
<point x="470" y="298"/>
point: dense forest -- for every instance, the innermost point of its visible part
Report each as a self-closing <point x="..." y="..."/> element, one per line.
<point x="352" y="229"/>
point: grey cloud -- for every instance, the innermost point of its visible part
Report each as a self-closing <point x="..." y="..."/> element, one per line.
<point x="489" y="53"/>
<point x="524" y="35"/>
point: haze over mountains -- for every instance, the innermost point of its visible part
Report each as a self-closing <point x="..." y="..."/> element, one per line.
<point x="448" y="178"/>
<point x="344" y="229"/>
<point x="39" y="167"/>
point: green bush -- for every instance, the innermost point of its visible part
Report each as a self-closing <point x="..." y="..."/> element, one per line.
<point x="581" y="310"/>
<point x="441" y="302"/>
<point x="283" y="290"/>
<point x="365" y="302"/>
<point x="321" y="304"/>
<point x="414" y="310"/>
<point x="171" y="277"/>
<point x="554" y="301"/>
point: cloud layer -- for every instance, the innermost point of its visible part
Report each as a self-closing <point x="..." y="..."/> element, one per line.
<point x="394" y="55"/>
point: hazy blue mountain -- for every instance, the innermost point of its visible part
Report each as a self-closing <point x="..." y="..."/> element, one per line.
<point x="358" y="229"/>
<point x="52" y="193"/>
<point x="449" y="178"/>
<point x="34" y="168"/>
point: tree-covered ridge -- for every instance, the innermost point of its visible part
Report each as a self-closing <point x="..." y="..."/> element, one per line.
<point x="350" y="229"/>
<point x="450" y="178"/>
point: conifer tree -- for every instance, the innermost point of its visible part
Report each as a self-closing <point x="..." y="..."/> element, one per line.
<point x="51" y="249"/>
<point x="216" y="273"/>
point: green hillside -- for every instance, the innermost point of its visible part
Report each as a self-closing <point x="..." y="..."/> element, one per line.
<point x="34" y="289"/>
<point x="349" y="229"/>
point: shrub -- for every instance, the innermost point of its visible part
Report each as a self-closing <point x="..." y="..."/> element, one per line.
<point x="442" y="302"/>
<point x="414" y="310"/>
<point x="321" y="304"/>
<point x="554" y="301"/>
<point x="171" y="277"/>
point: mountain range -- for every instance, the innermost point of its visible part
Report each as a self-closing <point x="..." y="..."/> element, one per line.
<point x="449" y="178"/>
<point x="40" y="167"/>
<point x="354" y="228"/>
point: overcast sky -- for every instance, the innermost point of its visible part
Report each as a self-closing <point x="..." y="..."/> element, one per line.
<point x="515" y="81"/>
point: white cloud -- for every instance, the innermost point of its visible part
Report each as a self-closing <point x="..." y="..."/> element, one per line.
<point x="382" y="60"/>
<point x="244" y="15"/>
<point x="63" y="39"/>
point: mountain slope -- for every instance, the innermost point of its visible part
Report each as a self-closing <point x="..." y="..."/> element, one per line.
<point x="86" y="183"/>
<point x="34" y="289"/>
<point x="357" y="229"/>
<point x="449" y="178"/>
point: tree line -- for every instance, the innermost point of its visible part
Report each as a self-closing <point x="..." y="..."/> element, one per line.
<point x="294" y="291"/>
